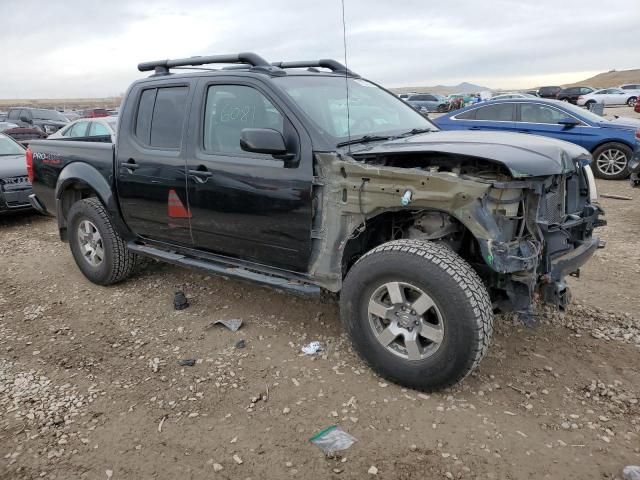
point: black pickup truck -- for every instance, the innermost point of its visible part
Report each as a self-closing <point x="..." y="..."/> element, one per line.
<point x="306" y="177"/>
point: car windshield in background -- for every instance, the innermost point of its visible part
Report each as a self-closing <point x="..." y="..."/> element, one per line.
<point x="9" y="147"/>
<point x="49" y="115"/>
<point x="372" y="111"/>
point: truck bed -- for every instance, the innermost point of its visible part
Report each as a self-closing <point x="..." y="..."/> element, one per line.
<point x="50" y="157"/>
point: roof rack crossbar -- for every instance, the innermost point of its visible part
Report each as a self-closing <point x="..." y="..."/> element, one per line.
<point x="163" y="66"/>
<point x="331" y="64"/>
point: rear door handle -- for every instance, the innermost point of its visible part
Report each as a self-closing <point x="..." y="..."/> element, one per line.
<point x="130" y="165"/>
<point x="475" y="128"/>
<point x="201" y="174"/>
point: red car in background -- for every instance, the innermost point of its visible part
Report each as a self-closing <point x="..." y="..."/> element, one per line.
<point x="95" y="113"/>
<point x="637" y="107"/>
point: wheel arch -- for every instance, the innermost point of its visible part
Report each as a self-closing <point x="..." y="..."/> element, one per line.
<point x="78" y="181"/>
<point x="376" y="228"/>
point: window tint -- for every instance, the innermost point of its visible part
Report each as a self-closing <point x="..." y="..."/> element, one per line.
<point x="502" y="112"/>
<point x="232" y="108"/>
<point x="585" y="90"/>
<point x="431" y="98"/>
<point x="161" y="115"/>
<point x="532" y="113"/>
<point x="14" y="115"/>
<point x="168" y="117"/>
<point x="98" y="129"/>
<point x="77" y="130"/>
<point x="145" y="111"/>
<point x="468" y="115"/>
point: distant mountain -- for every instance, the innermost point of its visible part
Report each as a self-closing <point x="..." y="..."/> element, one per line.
<point x="464" y="87"/>
<point x="612" y="78"/>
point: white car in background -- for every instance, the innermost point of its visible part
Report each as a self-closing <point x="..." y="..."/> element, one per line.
<point x="609" y="97"/>
<point x="89" y="127"/>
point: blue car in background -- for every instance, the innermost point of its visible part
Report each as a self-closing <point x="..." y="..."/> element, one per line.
<point x="428" y="102"/>
<point x="611" y="142"/>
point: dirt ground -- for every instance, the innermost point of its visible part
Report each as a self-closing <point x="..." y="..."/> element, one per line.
<point x="91" y="385"/>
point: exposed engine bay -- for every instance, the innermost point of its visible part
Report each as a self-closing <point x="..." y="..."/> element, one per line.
<point x="523" y="236"/>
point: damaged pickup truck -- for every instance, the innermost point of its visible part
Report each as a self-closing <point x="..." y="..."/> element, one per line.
<point x="306" y="177"/>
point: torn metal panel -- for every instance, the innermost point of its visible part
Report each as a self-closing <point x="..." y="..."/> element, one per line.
<point x="347" y="193"/>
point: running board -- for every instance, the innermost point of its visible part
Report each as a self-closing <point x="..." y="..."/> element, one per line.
<point x="225" y="269"/>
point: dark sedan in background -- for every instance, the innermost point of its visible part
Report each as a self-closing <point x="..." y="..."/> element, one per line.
<point x="15" y="187"/>
<point x="611" y="142"/>
<point x="428" y="102"/>
<point x="571" y="94"/>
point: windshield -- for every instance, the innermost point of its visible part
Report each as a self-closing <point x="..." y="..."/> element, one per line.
<point x="372" y="110"/>
<point x="586" y="114"/>
<point x="49" y="115"/>
<point x="9" y="147"/>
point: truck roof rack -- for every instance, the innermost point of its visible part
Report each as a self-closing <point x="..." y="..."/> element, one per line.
<point x="331" y="64"/>
<point x="311" y="66"/>
<point x="242" y="61"/>
<point x="161" y="67"/>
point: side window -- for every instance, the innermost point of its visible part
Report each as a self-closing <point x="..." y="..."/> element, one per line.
<point x="97" y="129"/>
<point x="231" y="108"/>
<point x="468" y="115"/>
<point x="532" y="113"/>
<point x="25" y="113"/>
<point x="78" y="130"/>
<point x="502" y="112"/>
<point x="14" y="115"/>
<point x="431" y="98"/>
<point x="160" y="118"/>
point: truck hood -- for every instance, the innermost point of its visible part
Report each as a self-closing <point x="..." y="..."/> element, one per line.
<point x="12" y="166"/>
<point x="524" y="155"/>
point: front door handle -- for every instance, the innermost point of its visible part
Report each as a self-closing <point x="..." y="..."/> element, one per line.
<point x="475" y="128"/>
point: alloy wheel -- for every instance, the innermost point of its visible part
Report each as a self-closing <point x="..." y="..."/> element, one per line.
<point x="406" y="320"/>
<point x="612" y="161"/>
<point x="91" y="244"/>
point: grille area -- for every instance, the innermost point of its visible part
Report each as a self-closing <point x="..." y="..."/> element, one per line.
<point x="554" y="203"/>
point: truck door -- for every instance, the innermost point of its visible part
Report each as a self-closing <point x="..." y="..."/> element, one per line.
<point x="248" y="205"/>
<point x="150" y="163"/>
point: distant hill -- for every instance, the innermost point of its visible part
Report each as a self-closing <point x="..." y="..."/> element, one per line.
<point x="612" y="78"/>
<point x="464" y="87"/>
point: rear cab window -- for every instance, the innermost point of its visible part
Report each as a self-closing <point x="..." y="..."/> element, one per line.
<point x="160" y="117"/>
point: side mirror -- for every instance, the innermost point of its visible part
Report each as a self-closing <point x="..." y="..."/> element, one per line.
<point x="25" y="119"/>
<point x="262" y="140"/>
<point x="568" y="122"/>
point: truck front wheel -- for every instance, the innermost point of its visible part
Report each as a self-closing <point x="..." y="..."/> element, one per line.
<point x="98" y="250"/>
<point x="417" y="313"/>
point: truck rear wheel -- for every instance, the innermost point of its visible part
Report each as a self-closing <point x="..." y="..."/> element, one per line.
<point x="98" y="250"/>
<point x="417" y="313"/>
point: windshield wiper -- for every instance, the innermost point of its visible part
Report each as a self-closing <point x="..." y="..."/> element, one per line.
<point x="416" y="131"/>
<point x="365" y="139"/>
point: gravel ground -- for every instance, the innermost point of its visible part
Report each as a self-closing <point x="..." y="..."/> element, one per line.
<point x="91" y="385"/>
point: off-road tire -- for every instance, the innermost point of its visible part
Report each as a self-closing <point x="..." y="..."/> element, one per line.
<point x="118" y="262"/>
<point x="455" y="288"/>
<point x="611" y="146"/>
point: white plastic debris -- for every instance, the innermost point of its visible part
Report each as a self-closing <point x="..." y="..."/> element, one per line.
<point x="631" y="472"/>
<point x="312" y="348"/>
<point x="332" y="439"/>
<point x="232" y="324"/>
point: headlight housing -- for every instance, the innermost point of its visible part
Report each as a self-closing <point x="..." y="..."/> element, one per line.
<point x="50" y="129"/>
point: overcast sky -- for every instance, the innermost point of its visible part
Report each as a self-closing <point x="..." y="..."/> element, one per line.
<point x="83" y="48"/>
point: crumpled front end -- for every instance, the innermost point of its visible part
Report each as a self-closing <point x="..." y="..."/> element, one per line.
<point x="548" y="224"/>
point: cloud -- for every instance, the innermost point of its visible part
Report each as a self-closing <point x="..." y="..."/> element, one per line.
<point x="91" y="48"/>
